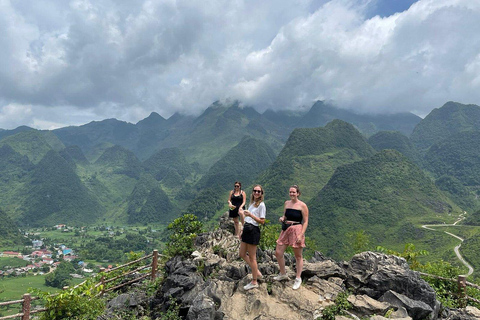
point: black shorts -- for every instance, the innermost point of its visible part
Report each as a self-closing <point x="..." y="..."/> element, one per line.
<point x="251" y="234"/>
<point x="233" y="213"/>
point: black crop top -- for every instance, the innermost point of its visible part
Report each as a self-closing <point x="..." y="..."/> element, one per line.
<point x="293" y="215"/>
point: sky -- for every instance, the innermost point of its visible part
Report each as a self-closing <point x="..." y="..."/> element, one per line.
<point x="71" y="62"/>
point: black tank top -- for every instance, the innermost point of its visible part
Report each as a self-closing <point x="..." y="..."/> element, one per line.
<point x="293" y="215"/>
<point x="236" y="200"/>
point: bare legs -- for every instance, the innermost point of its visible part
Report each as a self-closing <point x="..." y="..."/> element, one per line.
<point x="239" y="220"/>
<point x="298" y="260"/>
<point x="280" y="250"/>
<point x="248" y="252"/>
<point x="237" y="226"/>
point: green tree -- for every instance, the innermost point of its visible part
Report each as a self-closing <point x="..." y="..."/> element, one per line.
<point x="358" y="241"/>
<point x="409" y="253"/>
<point x="183" y="232"/>
<point x="61" y="276"/>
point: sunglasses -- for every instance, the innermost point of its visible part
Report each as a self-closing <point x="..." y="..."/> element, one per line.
<point x="237" y="186"/>
<point x="257" y="191"/>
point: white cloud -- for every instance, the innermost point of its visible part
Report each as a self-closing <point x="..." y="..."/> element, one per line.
<point x="72" y="62"/>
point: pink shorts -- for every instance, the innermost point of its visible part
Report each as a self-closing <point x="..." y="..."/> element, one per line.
<point x="289" y="237"/>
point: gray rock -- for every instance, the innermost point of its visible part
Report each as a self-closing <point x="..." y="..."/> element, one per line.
<point x="127" y="300"/>
<point x="416" y="309"/>
<point x="373" y="274"/>
<point x="323" y="269"/>
<point x="468" y="313"/>
<point x="363" y="305"/>
<point x="203" y="308"/>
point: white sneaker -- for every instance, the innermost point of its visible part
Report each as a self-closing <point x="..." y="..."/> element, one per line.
<point x="298" y="282"/>
<point x="250" y="286"/>
<point x="280" y="277"/>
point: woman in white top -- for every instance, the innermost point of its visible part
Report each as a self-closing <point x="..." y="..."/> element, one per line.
<point x="254" y="216"/>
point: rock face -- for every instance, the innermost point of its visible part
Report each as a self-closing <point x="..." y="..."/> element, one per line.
<point x="209" y="285"/>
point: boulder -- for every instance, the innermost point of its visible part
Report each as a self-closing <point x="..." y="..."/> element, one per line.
<point x="363" y="305"/>
<point x="416" y="309"/>
<point x="374" y="274"/>
<point x="468" y="313"/>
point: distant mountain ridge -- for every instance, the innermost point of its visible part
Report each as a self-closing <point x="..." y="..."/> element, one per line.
<point x="218" y="128"/>
<point x="440" y="123"/>
<point x="321" y="113"/>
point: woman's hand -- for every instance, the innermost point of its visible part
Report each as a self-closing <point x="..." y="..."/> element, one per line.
<point x="299" y="239"/>
<point x="281" y="219"/>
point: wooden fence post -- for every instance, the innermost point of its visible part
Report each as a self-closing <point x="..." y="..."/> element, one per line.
<point x="26" y="306"/>
<point x="154" y="264"/>
<point x="102" y="281"/>
<point x="462" y="289"/>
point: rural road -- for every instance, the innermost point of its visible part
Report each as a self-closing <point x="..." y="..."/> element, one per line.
<point x="456" y="249"/>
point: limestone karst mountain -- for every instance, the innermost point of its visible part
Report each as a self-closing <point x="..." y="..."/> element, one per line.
<point x="310" y="157"/>
<point x="56" y="193"/>
<point x="9" y="232"/>
<point x="441" y="123"/>
<point x="383" y="195"/>
<point x="397" y="141"/>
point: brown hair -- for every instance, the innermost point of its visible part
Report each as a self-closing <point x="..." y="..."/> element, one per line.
<point x="239" y="183"/>
<point x="257" y="202"/>
<point x="296" y="188"/>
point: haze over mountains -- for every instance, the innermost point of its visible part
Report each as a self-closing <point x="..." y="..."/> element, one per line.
<point x="113" y="172"/>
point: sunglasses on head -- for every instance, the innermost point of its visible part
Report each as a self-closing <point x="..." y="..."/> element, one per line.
<point x="257" y="191"/>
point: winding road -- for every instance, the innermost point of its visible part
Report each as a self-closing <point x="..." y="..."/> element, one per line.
<point x="457" y="248"/>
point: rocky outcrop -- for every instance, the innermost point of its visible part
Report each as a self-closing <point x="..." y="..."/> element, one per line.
<point x="209" y="285"/>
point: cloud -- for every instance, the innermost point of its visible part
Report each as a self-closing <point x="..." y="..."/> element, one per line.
<point x="77" y="61"/>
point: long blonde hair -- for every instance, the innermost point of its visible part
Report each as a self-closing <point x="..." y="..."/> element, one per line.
<point x="257" y="202"/>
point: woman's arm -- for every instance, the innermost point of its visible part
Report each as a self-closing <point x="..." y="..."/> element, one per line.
<point x="304" y="220"/>
<point x="244" y="199"/>
<point x="254" y="217"/>
<point x="283" y="218"/>
<point x="229" y="199"/>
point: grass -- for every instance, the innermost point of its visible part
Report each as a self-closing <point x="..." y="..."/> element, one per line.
<point x="14" y="288"/>
<point x="444" y="250"/>
<point x="12" y="262"/>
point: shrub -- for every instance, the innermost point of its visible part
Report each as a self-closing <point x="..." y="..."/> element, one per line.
<point x="183" y="232"/>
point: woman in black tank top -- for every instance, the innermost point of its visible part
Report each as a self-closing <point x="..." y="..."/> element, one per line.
<point x="236" y="200"/>
<point x="294" y="224"/>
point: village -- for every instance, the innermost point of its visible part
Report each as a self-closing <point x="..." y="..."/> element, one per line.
<point x="47" y="247"/>
<point x="41" y="260"/>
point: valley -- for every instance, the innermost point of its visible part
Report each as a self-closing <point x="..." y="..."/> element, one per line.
<point x="382" y="176"/>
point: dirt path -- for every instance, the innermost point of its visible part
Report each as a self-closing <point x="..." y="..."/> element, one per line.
<point x="457" y="248"/>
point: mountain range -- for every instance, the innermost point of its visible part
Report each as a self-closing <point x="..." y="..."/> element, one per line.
<point x="379" y="173"/>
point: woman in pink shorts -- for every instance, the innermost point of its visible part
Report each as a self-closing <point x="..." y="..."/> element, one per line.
<point x="294" y="224"/>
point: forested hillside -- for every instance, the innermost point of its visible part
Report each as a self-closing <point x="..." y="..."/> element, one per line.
<point x="9" y="232"/>
<point x="441" y="123"/>
<point x="310" y="157"/>
<point x="397" y="141"/>
<point x="242" y="163"/>
<point x="381" y="195"/>
<point x="54" y="194"/>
